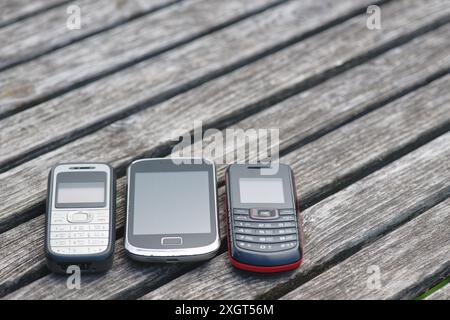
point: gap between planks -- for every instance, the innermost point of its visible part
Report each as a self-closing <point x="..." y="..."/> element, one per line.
<point x="24" y="9"/>
<point x="441" y="294"/>
<point x="409" y="260"/>
<point x="35" y="210"/>
<point x="73" y="67"/>
<point x="90" y="124"/>
<point x="127" y="128"/>
<point x="21" y="45"/>
<point x="333" y="231"/>
<point x="387" y="142"/>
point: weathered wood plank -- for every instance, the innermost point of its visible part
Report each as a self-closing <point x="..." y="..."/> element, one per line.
<point x="396" y="123"/>
<point x="28" y="261"/>
<point x="442" y="294"/>
<point x="60" y="117"/>
<point x="39" y="78"/>
<point x="12" y="10"/>
<point x="348" y="98"/>
<point x="405" y="261"/>
<point x="351" y="217"/>
<point x="48" y="31"/>
<point x="152" y="274"/>
<point x="146" y="131"/>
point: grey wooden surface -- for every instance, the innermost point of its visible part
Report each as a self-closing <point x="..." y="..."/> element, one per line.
<point x="331" y="228"/>
<point x="363" y="118"/>
<point x="14" y="10"/>
<point x="140" y="133"/>
<point x="402" y="258"/>
<point x="168" y="72"/>
<point x="48" y="31"/>
<point x="122" y="45"/>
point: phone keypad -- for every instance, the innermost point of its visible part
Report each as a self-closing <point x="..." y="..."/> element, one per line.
<point x="253" y="231"/>
<point x="75" y="232"/>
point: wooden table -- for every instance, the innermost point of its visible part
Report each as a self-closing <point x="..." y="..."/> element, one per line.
<point x="364" y="120"/>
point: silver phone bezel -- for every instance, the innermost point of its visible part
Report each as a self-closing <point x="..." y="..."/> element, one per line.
<point x="66" y="167"/>
<point x="147" y="253"/>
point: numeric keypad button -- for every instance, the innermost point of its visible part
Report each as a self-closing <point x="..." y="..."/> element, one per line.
<point x="99" y="227"/>
<point x="242" y="237"/>
<point x="59" y="228"/>
<point x="286" y="218"/>
<point x="100" y="217"/>
<point x="97" y="242"/>
<point x="287" y="245"/>
<point x="286" y="212"/>
<point x="61" y="250"/>
<point x="245" y="231"/>
<point x="289" y="224"/>
<point x="242" y="218"/>
<point x="285" y="231"/>
<point x="59" y="235"/>
<point x="241" y="211"/>
<point x="244" y="224"/>
<point x="78" y="242"/>
<point x="247" y="245"/>
<point x="79" y="227"/>
<point x="265" y="239"/>
<point x="58" y="218"/>
<point x="96" y="249"/>
<point x="98" y="234"/>
<point x="59" y="243"/>
<point x="265" y="231"/>
<point x="79" y="250"/>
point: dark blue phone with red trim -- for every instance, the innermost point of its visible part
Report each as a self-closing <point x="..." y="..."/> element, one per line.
<point x="264" y="230"/>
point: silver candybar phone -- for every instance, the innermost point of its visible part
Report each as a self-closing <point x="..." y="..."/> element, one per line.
<point x="80" y="219"/>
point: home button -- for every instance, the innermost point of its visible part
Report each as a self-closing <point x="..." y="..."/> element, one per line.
<point x="172" y="241"/>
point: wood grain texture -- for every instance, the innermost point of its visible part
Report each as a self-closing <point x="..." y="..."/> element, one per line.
<point x="11" y="10"/>
<point x="60" y="117"/>
<point x="118" y="283"/>
<point x="335" y="99"/>
<point x="146" y="131"/>
<point x="48" y="30"/>
<point x="405" y="261"/>
<point x="350" y="217"/>
<point x="419" y="115"/>
<point x="22" y="258"/>
<point x="441" y="294"/>
<point x="88" y="58"/>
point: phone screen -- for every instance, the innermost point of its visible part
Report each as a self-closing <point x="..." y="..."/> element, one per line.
<point x="261" y="190"/>
<point x="172" y="203"/>
<point x="81" y="192"/>
<point x="81" y="189"/>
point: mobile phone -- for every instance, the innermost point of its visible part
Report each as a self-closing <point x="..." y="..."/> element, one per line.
<point x="263" y="223"/>
<point x="172" y="210"/>
<point x="80" y="219"/>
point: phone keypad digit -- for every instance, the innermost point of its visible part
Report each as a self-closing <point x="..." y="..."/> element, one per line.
<point x="72" y="235"/>
<point x="264" y="230"/>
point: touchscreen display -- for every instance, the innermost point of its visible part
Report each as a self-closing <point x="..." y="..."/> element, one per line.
<point x="261" y="190"/>
<point x="171" y="203"/>
<point x="81" y="192"/>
